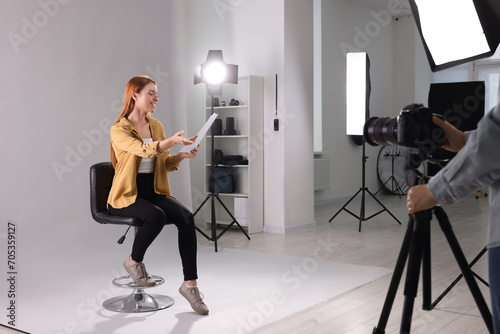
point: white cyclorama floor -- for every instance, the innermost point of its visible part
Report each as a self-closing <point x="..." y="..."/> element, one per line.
<point x="271" y="284"/>
<point x="244" y="290"/>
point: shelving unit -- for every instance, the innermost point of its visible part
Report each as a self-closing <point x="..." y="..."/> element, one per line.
<point x="246" y="203"/>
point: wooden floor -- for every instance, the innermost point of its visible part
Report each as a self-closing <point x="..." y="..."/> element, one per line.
<point x="378" y="244"/>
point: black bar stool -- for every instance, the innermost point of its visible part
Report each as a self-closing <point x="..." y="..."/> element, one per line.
<point x="101" y="178"/>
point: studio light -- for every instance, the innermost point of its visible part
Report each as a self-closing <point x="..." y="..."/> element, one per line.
<point x="358" y="89"/>
<point x="214" y="72"/>
<point x="454" y="32"/>
<point x="357" y="92"/>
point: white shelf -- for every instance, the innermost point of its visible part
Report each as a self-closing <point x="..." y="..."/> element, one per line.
<point x="230" y="166"/>
<point x="249" y="122"/>
<point x="232" y="195"/>
<point x="228" y="107"/>
<point x="228" y="136"/>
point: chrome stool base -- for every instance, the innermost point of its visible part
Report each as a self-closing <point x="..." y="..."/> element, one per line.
<point x="138" y="301"/>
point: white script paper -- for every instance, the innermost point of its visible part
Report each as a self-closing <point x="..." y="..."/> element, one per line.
<point x="201" y="134"/>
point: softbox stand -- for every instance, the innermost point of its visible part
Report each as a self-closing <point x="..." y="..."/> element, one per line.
<point x="363" y="190"/>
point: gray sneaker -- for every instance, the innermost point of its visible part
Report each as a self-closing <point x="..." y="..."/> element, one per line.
<point x="138" y="273"/>
<point x="195" y="298"/>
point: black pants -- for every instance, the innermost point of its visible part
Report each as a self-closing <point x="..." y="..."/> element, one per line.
<point x="155" y="211"/>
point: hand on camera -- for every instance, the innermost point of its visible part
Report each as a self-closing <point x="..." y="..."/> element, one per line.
<point x="419" y="198"/>
<point x="455" y="139"/>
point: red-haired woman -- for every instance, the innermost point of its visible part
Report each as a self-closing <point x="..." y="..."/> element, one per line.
<point x="141" y="158"/>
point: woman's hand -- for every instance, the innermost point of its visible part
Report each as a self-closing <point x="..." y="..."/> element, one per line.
<point x="419" y="198"/>
<point x="186" y="155"/>
<point x="176" y="139"/>
<point x="455" y="139"/>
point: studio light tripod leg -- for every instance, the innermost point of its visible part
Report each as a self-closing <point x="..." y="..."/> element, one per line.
<point x="194" y="214"/>
<point x="214" y="222"/>
<point x="234" y="221"/>
<point x="345" y="205"/>
<point x="383" y="206"/>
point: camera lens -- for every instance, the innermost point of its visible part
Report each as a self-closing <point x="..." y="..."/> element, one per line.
<point x="381" y="131"/>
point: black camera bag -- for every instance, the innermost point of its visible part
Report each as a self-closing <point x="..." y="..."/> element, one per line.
<point x="224" y="180"/>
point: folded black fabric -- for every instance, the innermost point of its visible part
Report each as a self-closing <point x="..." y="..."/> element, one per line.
<point x="226" y="158"/>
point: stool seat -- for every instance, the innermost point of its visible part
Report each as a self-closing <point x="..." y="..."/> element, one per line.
<point x="101" y="178"/>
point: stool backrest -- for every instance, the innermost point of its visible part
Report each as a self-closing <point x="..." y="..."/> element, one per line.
<point x="101" y="179"/>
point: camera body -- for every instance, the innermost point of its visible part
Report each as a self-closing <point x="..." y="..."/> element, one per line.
<point x="412" y="128"/>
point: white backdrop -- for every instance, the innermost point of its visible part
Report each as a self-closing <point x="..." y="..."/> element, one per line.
<point x="64" y="66"/>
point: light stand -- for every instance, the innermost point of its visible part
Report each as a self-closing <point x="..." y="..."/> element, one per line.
<point x="395" y="186"/>
<point x="214" y="73"/>
<point x="358" y="88"/>
<point x="363" y="190"/>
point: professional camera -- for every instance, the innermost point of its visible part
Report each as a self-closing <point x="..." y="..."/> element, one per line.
<point x="412" y="128"/>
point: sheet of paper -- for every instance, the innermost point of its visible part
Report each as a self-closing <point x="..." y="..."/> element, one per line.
<point x="201" y="134"/>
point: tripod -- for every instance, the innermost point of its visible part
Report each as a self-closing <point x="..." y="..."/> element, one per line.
<point x="416" y="248"/>
<point x="394" y="183"/>
<point x="212" y="196"/>
<point x="363" y="190"/>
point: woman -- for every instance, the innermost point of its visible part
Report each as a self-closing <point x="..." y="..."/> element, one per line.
<point x="141" y="158"/>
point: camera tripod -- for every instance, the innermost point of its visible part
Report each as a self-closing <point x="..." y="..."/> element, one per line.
<point x="416" y="248"/>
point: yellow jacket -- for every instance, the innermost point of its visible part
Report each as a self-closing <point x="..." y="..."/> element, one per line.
<point x="129" y="150"/>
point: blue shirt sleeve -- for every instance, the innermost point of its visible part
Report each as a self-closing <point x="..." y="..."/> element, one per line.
<point x="476" y="165"/>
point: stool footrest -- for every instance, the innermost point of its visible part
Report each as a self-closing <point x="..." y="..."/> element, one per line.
<point x="128" y="282"/>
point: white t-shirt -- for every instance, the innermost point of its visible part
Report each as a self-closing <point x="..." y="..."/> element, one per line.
<point x="147" y="164"/>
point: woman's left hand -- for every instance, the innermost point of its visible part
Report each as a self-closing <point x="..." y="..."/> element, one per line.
<point x="188" y="155"/>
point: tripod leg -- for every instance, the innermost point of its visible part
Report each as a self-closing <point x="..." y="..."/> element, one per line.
<point x="197" y="210"/>
<point x="426" y="269"/>
<point x="201" y="205"/>
<point x="383" y="206"/>
<point x="342" y="208"/>
<point x="234" y="221"/>
<point x="214" y="223"/>
<point x="396" y="278"/>
<point x="362" y="210"/>
<point x="459" y="277"/>
<point x="422" y="219"/>
<point x="445" y="225"/>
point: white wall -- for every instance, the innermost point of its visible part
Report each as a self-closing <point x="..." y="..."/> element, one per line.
<point x="65" y="87"/>
<point x="299" y="169"/>
<point x="64" y="67"/>
<point x="257" y="51"/>
<point x="252" y="34"/>
<point x="345" y="27"/>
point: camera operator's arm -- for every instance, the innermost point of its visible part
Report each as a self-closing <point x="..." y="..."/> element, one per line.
<point x="475" y="166"/>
